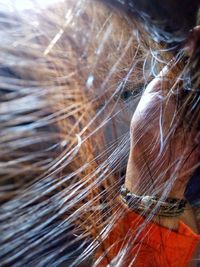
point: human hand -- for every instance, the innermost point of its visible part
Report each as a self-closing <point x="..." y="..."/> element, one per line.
<point x="163" y="152"/>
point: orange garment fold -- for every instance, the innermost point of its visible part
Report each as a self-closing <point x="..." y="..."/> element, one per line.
<point x="134" y="242"/>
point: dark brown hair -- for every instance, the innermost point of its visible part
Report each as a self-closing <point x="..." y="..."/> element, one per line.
<point x="70" y="79"/>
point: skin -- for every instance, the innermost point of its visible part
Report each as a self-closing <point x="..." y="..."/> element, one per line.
<point x="145" y="124"/>
<point x="148" y="158"/>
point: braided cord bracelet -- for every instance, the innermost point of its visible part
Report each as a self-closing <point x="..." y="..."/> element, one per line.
<point x="171" y="207"/>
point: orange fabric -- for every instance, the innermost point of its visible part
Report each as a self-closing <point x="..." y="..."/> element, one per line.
<point x="133" y="242"/>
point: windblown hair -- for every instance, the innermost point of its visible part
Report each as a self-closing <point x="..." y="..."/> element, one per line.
<point x="70" y="79"/>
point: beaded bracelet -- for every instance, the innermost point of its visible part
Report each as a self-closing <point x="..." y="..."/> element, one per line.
<point x="171" y="207"/>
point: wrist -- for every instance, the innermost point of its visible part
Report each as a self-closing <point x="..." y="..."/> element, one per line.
<point x="137" y="186"/>
<point x="171" y="223"/>
<point x="165" y="212"/>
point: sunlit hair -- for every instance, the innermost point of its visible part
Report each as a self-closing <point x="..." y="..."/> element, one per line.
<point x="70" y="79"/>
